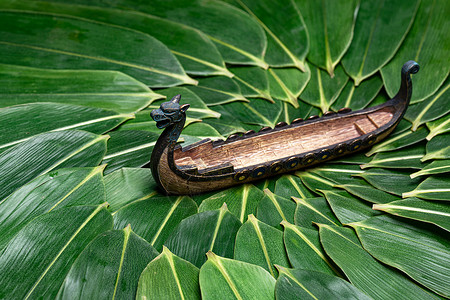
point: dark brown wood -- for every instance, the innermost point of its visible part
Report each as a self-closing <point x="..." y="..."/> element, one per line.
<point x="210" y="165"/>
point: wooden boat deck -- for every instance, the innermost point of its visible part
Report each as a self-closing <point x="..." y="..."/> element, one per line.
<point x="281" y="144"/>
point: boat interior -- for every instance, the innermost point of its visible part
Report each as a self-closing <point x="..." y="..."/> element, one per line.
<point x="279" y="143"/>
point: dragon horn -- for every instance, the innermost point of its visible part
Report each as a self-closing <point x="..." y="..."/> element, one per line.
<point x="176" y="99"/>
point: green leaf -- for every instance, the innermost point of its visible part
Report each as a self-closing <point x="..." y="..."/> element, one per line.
<point x="239" y="38"/>
<point x="274" y="209"/>
<point x="290" y="113"/>
<point x="314" y="182"/>
<point x="438" y="148"/>
<point x="194" y="50"/>
<point x="83" y="44"/>
<point x="46" y="152"/>
<point x="129" y="148"/>
<point x="99" y="89"/>
<point x="358" y="97"/>
<point x="330" y="29"/>
<point x="156" y="218"/>
<point x="207" y="231"/>
<point x="61" y="188"/>
<point x="253" y="82"/>
<point x="363" y="271"/>
<point x="400" y="140"/>
<point x="304" y="249"/>
<point x="35" y="118"/>
<point x="337" y="173"/>
<point x="435" y="167"/>
<point x="357" y="158"/>
<point x="260" y="244"/>
<point x="439" y="126"/>
<point x="313" y="210"/>
<point x="421" y="254"/>
<point x="391" y="181"/>
<point x="218" y="90"/>
<point x="380" y="28"/>
<point x="348" y="208"/>
<point x="406" y="158"/>
<point x="305" y="284"/>
<point x="198" y="131"/>
<point x="233" y="279"/>
<point x="416" y="209"/>
<point x="228" y="123"/>
<point x="180" y="278"/>
<point x="433" y="188"/>
<point x="258" y="112"/>
<point x="287" y="38"/>
<point x="322" y="90"/>
<point x="368" y="193"/>
<point x="46" y="248"/>
<point x="427" y="44"/>
<point x="114" y="261"/>
<point x="127" y="185"/>
<point x="241" y="201"/>
<point x="289" y="185"/>
<point x="430" y="109"/>
<point x="197" y="109"/>
<point x="287" y="84"/>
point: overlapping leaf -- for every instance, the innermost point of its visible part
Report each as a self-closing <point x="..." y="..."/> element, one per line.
<point x="439" y="126"/>
<point x="241" y="201"/>
<point x="358" y="97"/>
<point x="431" y="108"/>
<point x="234" y="279"/>
<point x="46" y="248"/>
<point x="82" y="44"/>
<point x="413" y="208"/>
<point x="239" y="38"/>
<point x="60" y="188"/>
<point x="422" y="254"/>
<point x="109" y="90"/>
<point x="35" y="118"/>
<point x="180" y="278"/>
<point x="366" y="273"/>
<point x="348" y="208"/>
<point x="46" y="152"/>
<point x="287" y="37"/>
<point x="406" y="158"/>
<point x="260" y="244"/>
<point x="379" y="30"/>
<point x="426" y="43"/>
<point x="433" y="188"/>
<point x="274" y="209"/>
<point x="330" y="29"/>
<point x="155" y="218"/>
<point x="322" y="90"/>
<point x="304" y="249"/>
<point x="114" y="260"/>
<point x="435" y="167"/>
<point x="298" y="283"/>
<point x="127" y="185"/>
<point x="438" y="148"/>
<point x="129" y="148"/>
<point x="213" y="230"/>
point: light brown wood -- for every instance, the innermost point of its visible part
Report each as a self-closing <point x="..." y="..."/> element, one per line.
<point x="277" y="145"/>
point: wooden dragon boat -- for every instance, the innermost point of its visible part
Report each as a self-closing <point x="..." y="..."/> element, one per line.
<point x="210" y="165"/>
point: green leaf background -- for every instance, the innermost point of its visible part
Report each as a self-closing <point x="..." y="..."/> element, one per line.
<point x="81" y="216"/>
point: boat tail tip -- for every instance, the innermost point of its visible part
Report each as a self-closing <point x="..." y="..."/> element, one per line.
<point x="410" y="67"/>
<point x="405" y="92"/>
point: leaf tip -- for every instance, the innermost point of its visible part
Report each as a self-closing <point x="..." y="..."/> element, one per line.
<point x="211" y="256"/>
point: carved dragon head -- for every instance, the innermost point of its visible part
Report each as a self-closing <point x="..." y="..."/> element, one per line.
<point x="169" y="112"/>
